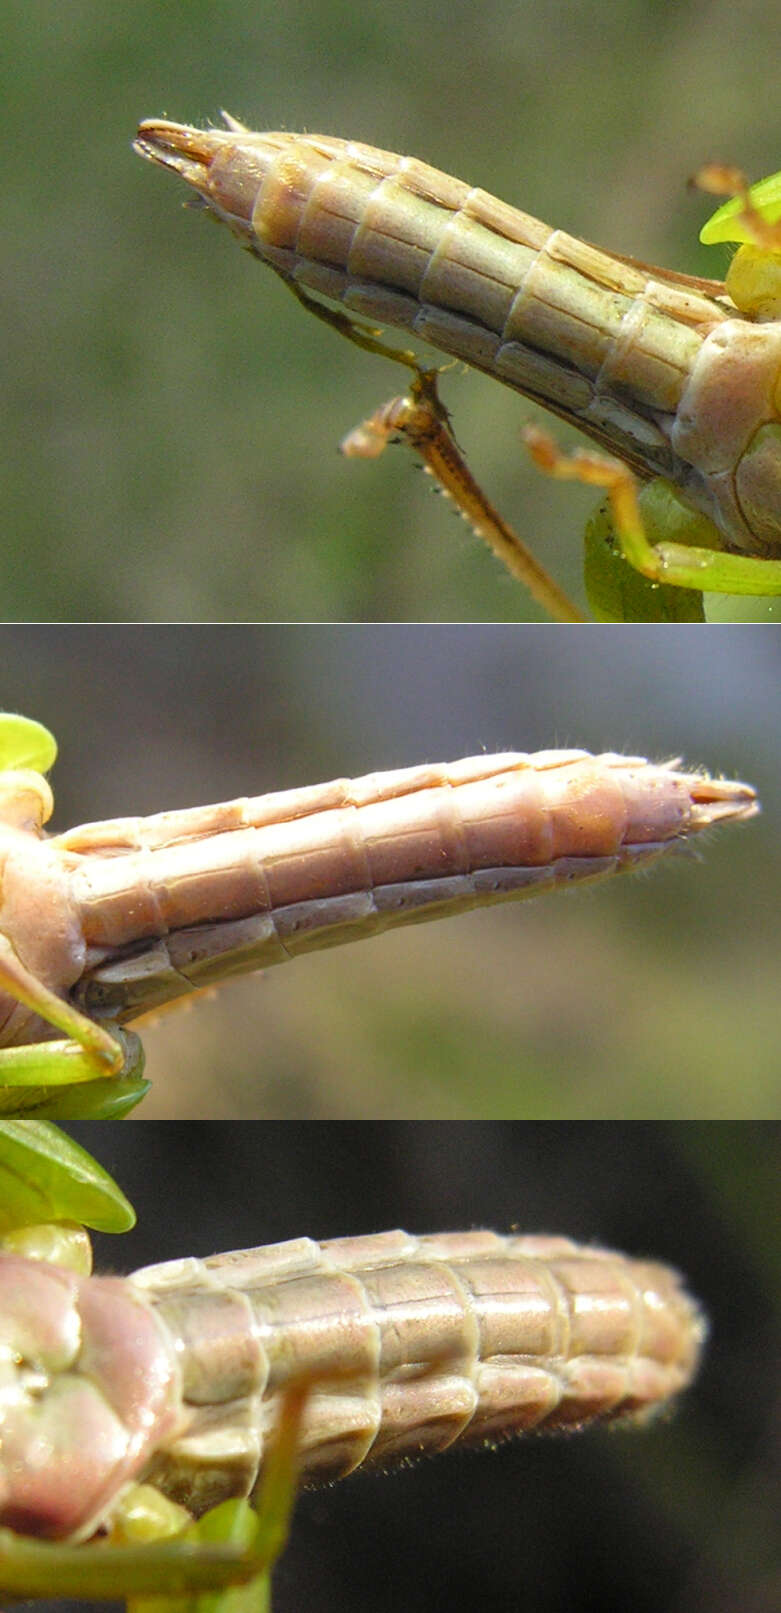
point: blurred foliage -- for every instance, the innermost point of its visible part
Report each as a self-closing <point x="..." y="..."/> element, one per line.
<point x="170" y="418"/>
<point x="651" y="995"/>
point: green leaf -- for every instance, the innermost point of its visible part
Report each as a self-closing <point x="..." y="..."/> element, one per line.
<point x="110" y="1097"/>
<point x="723" y="225"/>
<point x="25" y="744"/>
<point x="46" y="1176"/>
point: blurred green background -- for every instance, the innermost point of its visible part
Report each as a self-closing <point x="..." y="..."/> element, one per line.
<point x="678" y="1517"/>
<point x="652" y="996"/>
<point x="170" y="417"/>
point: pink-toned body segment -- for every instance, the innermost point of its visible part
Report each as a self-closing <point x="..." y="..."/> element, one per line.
<point x="174" y="1375"/>
<point x="132" y="913"/>
<point x="660" y="368"/>
<point x="520" y="813"/>
<point x="89" y="1386"/>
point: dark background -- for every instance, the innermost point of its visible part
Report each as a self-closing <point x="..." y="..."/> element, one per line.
<point x="169" y="415"/>
<point x="655" y="996"/>
<point x="678" y="1517"/>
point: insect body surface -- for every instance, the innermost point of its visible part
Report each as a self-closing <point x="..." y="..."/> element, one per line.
<point x="662" y="369"/>
<point x="114" y="918"/>
<point x="174" y="1376"/>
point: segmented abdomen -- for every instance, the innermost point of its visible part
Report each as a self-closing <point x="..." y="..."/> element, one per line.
<point x="139" y="911"/>
<point x="170" y="903"/>
<point x="427" y="1340"/>
<point x="397" y="241"/>
<point x="673" y="379"/>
